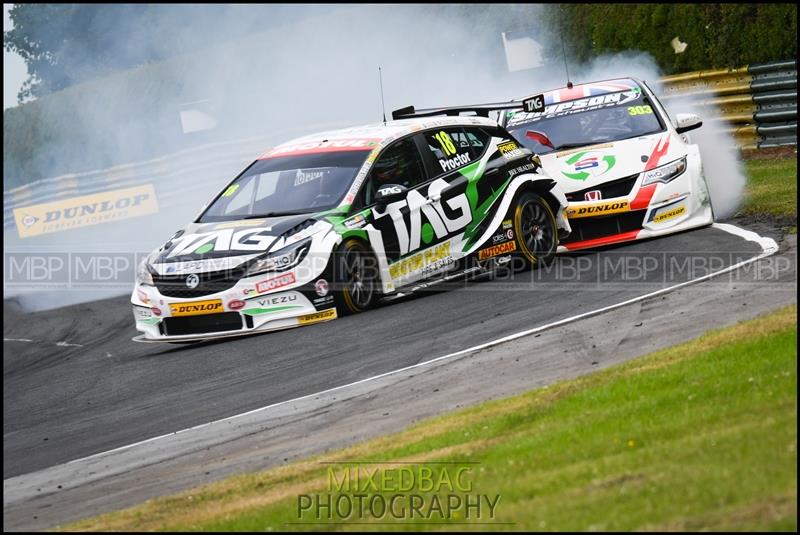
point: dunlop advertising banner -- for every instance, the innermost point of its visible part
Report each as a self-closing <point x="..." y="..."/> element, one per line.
<point x="86" y="210"/>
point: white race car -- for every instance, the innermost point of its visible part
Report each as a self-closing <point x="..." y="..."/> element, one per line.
<point x="332" y="223"/>
<point x="626" y="168"/>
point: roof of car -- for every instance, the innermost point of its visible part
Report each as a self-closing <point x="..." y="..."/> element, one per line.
<point x="367" y="137"/>
<point x="589" y="89"/>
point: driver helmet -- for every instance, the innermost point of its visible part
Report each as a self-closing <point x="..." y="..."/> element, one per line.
<point x="389" y="169"/>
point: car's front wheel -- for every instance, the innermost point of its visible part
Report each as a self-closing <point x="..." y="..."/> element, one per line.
<point x="357" y="281"/>
<point x="535" y="230"/>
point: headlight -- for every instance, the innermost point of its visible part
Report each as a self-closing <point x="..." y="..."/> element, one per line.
<point x="143" y="275"/>
<point x="665" y="173"/>
<point x="281" y="260"/>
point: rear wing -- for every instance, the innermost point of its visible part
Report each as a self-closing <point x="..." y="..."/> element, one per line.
<point x="530" y="104"/>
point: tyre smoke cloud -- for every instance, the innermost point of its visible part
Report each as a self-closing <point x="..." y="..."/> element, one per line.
<point x="317" y="71"/>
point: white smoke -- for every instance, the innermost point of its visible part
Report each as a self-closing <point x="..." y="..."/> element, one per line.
<point x="722" y="165"/>
<point x="316" y="71"/>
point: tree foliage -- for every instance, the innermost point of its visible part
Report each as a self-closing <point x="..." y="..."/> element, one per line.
<point x="718" y="35"/>
<point x="65" y="44"/>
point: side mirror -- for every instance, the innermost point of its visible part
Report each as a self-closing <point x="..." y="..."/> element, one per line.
<point x="390" y="193"/>
<point x="687" y="121"/>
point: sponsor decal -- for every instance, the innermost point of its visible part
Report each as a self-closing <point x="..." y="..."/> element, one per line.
<point x="156" y="311"/>
<point x="584" y="164"/>
<point x="510" y="234"/>
<point x="500" y="237"/>
<point x="201" y="266"/>
<point x="248" y="291"/>
<point x="323" y="301"/>
<point x="249" y="239"/>
<point x="533" y="104"/>
<point x="501" y="260"/>
<point x="277" y="300"/>
<point x="301" y="177"/>
<point x="312" y="147"/>
<point x="275" y="283"/>
<point x="143" y="297"/>
<point x="496" y="250"/>
<point x="321" y="287"/>
<point x="356" y="221"/>
<point x="197" y="308"/>
<point x="272" y="304"/>
<point x="389" y="190"/>
<point x="593" y="196"/>
<point x="86" y="210"/>
<point x="415" y="205"/>
<point x="236" y="304"/>
<point x="523" y="169"/>
<point x="507" y="224"/>
<point x="325" y="315"/>
<point x="668" y="213"/>
<point x="613" y="207"/>
<point x="142" y="313"/>
<point x="437" y="255"/>
<point x="560" y="108"/>
<point x="510" y="150"/>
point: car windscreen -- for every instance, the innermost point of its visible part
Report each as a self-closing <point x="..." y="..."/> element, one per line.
<point x="587" y="121"/>
<point x="287" y="185"/>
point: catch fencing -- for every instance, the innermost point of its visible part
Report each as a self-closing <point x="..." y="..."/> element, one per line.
<point x="757" y="103"/>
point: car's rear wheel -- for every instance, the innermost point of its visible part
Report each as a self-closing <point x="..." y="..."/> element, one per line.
<point x="355" y="271"/>
<point x="535" y="230"/>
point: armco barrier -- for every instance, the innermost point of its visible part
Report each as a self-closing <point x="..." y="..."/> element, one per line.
<point x="757" y="103"/>
<point x="171" y="175"/>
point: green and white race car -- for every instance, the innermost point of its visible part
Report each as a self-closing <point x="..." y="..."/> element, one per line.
<point x="330" y="224"/>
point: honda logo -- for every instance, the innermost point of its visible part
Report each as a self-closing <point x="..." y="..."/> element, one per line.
<point x="593" y="195"/>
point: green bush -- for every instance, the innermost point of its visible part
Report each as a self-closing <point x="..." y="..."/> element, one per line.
<point x="718" y="35"/>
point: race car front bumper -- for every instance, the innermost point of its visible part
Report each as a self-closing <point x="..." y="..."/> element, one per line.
<point x="234" y="312"/>
<point x="648" y="211"/>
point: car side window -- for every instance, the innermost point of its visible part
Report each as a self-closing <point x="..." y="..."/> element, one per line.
<point x="478" y="139"/>
<point x="451" y="148"/>
<point x="399" y="164"/>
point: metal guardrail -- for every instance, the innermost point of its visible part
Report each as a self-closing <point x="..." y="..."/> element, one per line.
<point x="173" y="176"/>
<point x="757" y="103"/>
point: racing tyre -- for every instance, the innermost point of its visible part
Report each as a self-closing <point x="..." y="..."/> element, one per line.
<point x="355" y="272"/>
<point x="535" y="230"/>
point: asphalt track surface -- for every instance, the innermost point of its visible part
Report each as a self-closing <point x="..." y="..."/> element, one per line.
<point x="75" y="385"/>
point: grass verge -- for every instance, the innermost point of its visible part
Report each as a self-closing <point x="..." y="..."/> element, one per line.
<point x="772" y="189"/>
<point x="698" y="436"/>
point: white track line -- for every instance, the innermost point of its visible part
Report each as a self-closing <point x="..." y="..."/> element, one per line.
<point x="768" y="246"/>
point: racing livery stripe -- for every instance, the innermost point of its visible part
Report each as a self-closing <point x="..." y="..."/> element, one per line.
<point x="643" y="197"/>
<point x="606" y="240"/>
<point x="658" y="151"/>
